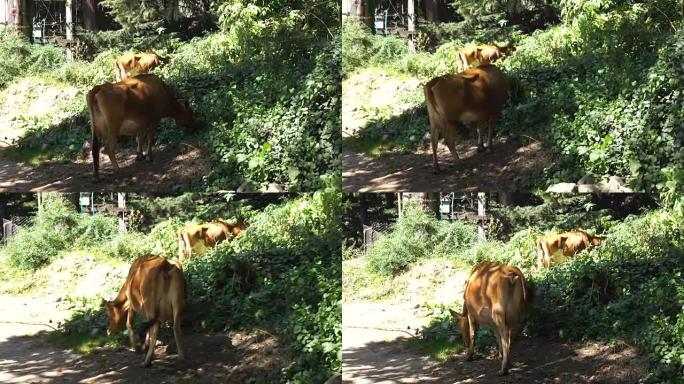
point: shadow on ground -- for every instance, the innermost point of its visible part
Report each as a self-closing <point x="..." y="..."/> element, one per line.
<point x="210" y="359"/>
<point x="534" y="361"/>
<point x="174" y="168"/>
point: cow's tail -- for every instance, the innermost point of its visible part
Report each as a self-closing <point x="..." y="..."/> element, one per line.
<point x="95" y="148"/>
<point x="429" y="95"/>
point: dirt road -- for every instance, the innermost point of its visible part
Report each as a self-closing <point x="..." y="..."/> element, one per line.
<point x="27" y="357"/>
<point x="373" y="352"/>
<point x="174" y="168"/>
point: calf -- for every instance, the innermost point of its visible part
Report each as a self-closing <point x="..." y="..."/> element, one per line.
<point x="568" y="244"/>
<point x="137" y="63"/>
<point x="155" y="289"/>
<point x="476" y="95"/>
<point x="132" y="107"/>
<point x="197" y="238"/>
<point x="495" y="295"/>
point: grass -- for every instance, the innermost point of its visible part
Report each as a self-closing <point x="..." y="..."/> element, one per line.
<point x="441" y="350"/>
<point x="83" y="343"/>
<point x="15" y="281"/>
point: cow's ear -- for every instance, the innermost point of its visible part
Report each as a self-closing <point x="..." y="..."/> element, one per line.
<point x="455" y="314"/>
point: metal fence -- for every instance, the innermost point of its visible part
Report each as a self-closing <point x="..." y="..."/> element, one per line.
<point x="373" y="232"/>
<point x="12" y="226"/>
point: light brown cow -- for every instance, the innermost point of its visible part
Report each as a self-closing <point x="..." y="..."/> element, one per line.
<point x="137" y="63"/>
<point x="476" y="96"/>
<point x="132" y="107"/>
<point x="564" y="245"/>
<point x="196" y="238"/>
<point x="495" y="295"/>
<point x="477" y="55"/>
<point x="155" y="289"/>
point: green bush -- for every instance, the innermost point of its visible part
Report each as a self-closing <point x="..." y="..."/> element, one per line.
<point x="292" y="247"/>
<point x="20" y="58"/>
<point x="630" y="287"/>
<point x="54" y="228"/>
<point x="416" y="235"/>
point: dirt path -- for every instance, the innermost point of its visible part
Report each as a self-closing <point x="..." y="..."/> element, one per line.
<point x="509" y="166"/>
<point x="373" y="352"/>
<point x="26" y="356"/>
<point x="174" y="168"/>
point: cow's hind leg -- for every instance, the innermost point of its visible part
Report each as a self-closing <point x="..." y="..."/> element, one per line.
<point x="490" y="133"/>
<point x="153" y="332"/>
<point x="450" y="139"/>
<point x="434" y="142"/>
<point x="481" y="132"/>
<point x="110" y="148"/>
<point x="178" y="335"/>
<point x="139" y="150"/>
<point x="505" y="349"/>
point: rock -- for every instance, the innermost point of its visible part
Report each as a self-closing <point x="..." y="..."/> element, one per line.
<point x="58" y="299"/>
<point x="274" y="187"/>
<point x="587" y="179"/>
<point x="588" y="188"/>
<point x="94" y="332"/>
<point x="617" y="185"/>
<point x="200" y="371"/>
<point x="562" y="188"/>
<point x="247" y="186"/>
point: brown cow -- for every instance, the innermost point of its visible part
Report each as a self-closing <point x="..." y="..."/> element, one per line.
<point x="495" y="295"/>
<point x="482" y="54"/>
<point x="568" y="244"/>
<point x="198" y="237"/>
<point x="155" y="288"/>
<point x="476" y="95"/>
<point x="132" y="107"/>
<point x="137" y="63"/>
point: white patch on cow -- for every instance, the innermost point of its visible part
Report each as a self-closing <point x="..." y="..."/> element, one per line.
<point x="468" y="117"/>
<point x="129" y="127"/>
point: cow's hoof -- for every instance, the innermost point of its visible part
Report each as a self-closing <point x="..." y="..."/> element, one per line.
<point x="146" y="364"/>
<point x="139" y="157"/>
<point x="480" y="149"/>
<point x="502" y="372"/>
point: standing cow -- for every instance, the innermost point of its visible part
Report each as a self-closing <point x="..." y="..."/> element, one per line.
<point x="155" y="289"/>
<point x="196" y="238"/>
<point x="137" y="63"/>
<point x="482" y="54"/>
<point x="476" y="96"/>
<point x="566" y="244"/>
<point x="495" y="295"/>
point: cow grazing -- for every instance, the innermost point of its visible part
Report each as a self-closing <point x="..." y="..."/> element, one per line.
<point x="132" y="107"/>
<point x="482" y="54"/>
<point x="196" y="238"/>
<point x="564" y="245"/>
<point x="155" y="289"/>
<point x="476" y="96"/>
<point x="137" y="63"/>
<point x="494" y="295"/>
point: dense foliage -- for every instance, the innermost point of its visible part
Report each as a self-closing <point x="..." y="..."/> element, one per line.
<point x="265" y="88"/>
<point x="601" y="89"/>
<point x="283" y="275"/>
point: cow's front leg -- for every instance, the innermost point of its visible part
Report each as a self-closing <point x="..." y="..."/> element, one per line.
<point x="153" y="332"/>
<point x="150" y="143"/>
<point x="481" y="132"/>
<point x="490" y="134"/>
<point x="111" y="148"/>
<point x="139" y="150"/>
<point x="131" y="334"/>
<point x="472" y="325"/>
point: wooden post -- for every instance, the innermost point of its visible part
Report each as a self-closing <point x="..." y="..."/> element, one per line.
<point x="399" y="202"/>
<point x="411" y="25"/>
<point x="481" y="200"/>
<point x="122" y="215"/>
<point x="69" y="12"/>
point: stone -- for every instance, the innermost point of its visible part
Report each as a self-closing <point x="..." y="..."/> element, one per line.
<point x="562" y="188"/>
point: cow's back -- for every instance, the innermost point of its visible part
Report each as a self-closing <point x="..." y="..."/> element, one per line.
<point x="495" y="290"/>
<point x="153" y="285"/>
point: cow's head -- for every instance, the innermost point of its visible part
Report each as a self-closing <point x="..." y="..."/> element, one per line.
<point x="596" y="240"/>
<point x="463" y="325"/>
<point x="116" y="315"/>
<point x="184" y="116"/>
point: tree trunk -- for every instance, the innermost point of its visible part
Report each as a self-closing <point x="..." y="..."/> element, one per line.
<point x="431" y="10"/>
<point x="90" y="15"/>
